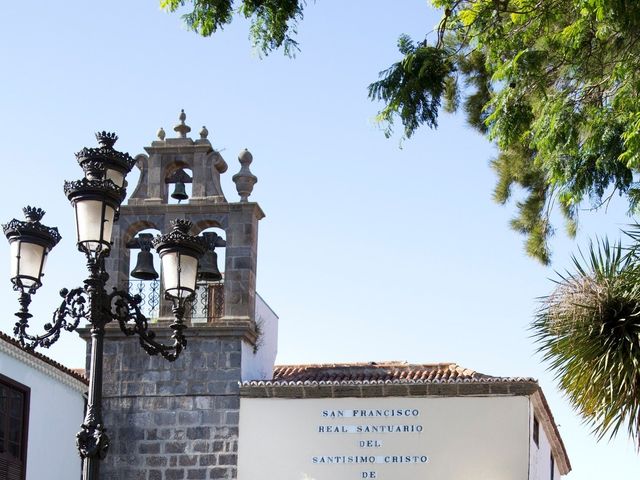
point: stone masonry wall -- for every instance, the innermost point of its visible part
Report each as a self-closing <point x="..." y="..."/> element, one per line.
<point x="171" y="420"/>
<point x="238" y="220"/>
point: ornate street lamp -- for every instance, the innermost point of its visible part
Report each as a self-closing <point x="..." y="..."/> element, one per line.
<point x="96" y="200"/>
<point x="30" y="243"/>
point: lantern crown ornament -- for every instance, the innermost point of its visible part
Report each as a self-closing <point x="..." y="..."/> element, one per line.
<point x="95" y="187"/>
<point x="180" y="252"/>
<point x="106" y="139"/>
<point x="180" y="238"/>
<point x="116" y="164"/>
<point x="30" y="242"/>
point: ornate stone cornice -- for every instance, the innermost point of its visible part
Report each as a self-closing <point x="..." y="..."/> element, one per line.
<point x="244" y="331"/>
<point x="389" y="388"/>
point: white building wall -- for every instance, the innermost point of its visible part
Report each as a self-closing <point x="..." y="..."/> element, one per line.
<point x="257" y="363"/>
<point x="443" y="438"/>
<point x="55" y="414"/>
<point x="540" y="455"/>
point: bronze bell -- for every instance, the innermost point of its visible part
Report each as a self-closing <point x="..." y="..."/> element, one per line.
<point x="179" y="192"/>
<point x="144" y="267"/>
<point x="208" y="268"/>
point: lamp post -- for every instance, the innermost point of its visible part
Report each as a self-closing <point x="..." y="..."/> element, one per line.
<point x="96" y="199"/>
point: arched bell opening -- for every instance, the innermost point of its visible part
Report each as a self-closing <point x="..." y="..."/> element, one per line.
<point x="208" y="306"/>
<point x="178" y="182"/>
<point x="144" y="272"/>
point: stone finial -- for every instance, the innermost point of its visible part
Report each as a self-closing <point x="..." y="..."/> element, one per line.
<point x="204" y="133"/>
<point x="244" y="179"/>
<point x="161" y="134"/>
<point x="182" y="128"/>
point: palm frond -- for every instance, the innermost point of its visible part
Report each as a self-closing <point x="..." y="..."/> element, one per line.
<point x="588" y="330"/>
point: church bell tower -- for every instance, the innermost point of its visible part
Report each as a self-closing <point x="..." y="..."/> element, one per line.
<point x="179" y="420"/>
<point x="165" y="164"/>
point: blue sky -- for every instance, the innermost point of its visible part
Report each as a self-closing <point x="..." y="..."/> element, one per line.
<point x="371" y="249"/>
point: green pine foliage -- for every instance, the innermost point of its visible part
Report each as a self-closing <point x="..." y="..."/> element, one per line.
<point x="273" y="22"/>
<point x="554" y="83"/>
<point x="413" y="88"/>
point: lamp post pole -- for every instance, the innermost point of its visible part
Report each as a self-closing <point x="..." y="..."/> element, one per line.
<point x="92" y="440"/>
<point x="96" y="200"/>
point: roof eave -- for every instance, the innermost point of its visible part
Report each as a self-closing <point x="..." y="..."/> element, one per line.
<point x="545" y="417"/>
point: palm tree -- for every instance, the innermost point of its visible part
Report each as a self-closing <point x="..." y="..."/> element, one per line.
<point x="588" y="329"/>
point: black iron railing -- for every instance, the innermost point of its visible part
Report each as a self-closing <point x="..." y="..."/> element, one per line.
<point x="206" y="307"/>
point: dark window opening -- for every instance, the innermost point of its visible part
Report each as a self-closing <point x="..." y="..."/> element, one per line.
<point x="536" y="431"/>
<point x="553" y="467"/>
<point x="14" y="422"/>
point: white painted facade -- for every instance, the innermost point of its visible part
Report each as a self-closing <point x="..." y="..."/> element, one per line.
<point x="258" y="361"/>
<point x="56" y="408"/>
<point x="464" y="437"/>
<point x="540" y="453"/>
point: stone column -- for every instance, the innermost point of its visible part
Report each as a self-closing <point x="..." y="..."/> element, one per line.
<point x="241" y="262"/>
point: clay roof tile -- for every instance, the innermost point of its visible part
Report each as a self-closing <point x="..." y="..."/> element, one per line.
<point x="374" y="371"/>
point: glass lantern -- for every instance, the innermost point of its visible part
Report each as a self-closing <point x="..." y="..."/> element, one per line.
<point x="179" y="253"/>
<point x="96" y="203"/>
<point x="30" y="243"/>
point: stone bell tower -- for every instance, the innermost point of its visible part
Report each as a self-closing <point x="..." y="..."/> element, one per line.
<point x="179" y="420"/>
<point x="148" y="207"/>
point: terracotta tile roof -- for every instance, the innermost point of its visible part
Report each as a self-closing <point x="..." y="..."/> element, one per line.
<point x="76" y="373"/>
<point x="378" y="372"/>
<point x="80" y="371"/>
